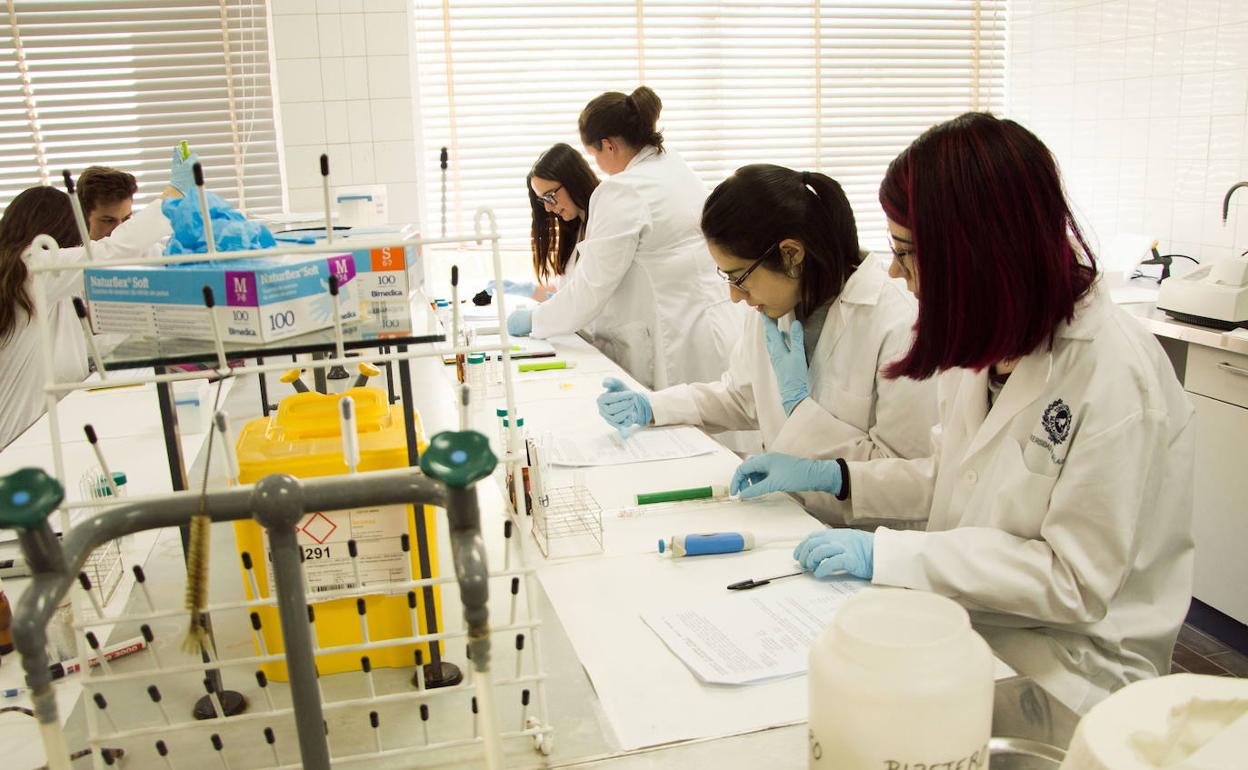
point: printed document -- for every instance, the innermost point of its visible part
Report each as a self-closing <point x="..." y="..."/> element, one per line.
<point x="644" y="445"/>
<point x="756" y="635"/>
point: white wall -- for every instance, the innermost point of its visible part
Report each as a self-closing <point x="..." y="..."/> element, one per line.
<point x="345" y="88"/>
<point x="1143" y="102"/>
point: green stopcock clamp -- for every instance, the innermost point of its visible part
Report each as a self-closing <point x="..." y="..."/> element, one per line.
<point x="27" y="497"/>
<point x="458" y="458"/>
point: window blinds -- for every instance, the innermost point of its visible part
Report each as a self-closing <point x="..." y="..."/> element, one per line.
<point x="120" y="83"/>
<point x="835" y="86"/>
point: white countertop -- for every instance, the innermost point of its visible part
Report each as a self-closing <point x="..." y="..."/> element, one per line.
<point x="1142" y="303"/>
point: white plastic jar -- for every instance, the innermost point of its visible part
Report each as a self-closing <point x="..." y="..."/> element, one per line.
<point x="900" y="681"/>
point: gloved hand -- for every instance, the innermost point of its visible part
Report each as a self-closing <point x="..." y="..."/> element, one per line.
<point x="522" y="289"/>
<point x="623" y="407"/>
<point x="182" y="174"/>
<point x="774" y="472"/>
<point x="832" y="550"/>
<point x="788" y="359"/>
<point x="520" y="322"/>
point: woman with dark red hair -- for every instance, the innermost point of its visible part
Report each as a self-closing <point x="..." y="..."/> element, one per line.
<point x="1059" y="493"/>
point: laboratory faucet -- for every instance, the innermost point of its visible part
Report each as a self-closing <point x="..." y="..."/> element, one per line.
<point x="1226" y="202"/>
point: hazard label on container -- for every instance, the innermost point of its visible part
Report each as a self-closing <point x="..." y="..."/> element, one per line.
<point x="327" y="562"/>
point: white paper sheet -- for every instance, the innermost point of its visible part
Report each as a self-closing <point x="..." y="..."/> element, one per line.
<point x="765" y="634"/>
<point x="648" y="695"/>
<point x="605" y="447"/>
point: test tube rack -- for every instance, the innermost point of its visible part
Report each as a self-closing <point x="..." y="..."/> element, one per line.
<point x="258" y="724"/>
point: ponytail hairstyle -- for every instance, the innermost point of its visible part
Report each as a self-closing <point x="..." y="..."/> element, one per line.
<point x="631" y="117"/>
<point x="35" y="211"/>
<point x="554" y="239"/>
<point x="1000" y="259"/>
<point x="761" y="205"/>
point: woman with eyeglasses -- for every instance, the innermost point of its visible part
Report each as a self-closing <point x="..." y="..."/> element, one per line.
<point x="1059" y="495"/>
<point x="559" y="185"/>
<point x="827" y="318"/>
<point x="641" y="285"/>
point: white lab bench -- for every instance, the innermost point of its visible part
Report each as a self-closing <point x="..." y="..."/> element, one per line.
<point x="1213" y="367"/>
<point x="549" y="400"/>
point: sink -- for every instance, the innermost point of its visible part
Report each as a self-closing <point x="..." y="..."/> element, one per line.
<point x="1030" y="728"/>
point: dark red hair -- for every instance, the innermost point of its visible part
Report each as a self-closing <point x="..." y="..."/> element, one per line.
<point x="1000" y="259"/>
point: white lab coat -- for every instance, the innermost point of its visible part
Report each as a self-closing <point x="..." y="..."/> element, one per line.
<point x="1061" y="518"/>
<point x="21" y="355"/>
<point x="853" y="412"/>
<point x="643" y="285"/>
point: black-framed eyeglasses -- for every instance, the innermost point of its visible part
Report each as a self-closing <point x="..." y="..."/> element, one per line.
<point x="548" y="197"/>
<point x="738" y="281"/>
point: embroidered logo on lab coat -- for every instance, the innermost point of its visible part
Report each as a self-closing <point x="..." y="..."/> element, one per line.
<point x="1056" y="421"/>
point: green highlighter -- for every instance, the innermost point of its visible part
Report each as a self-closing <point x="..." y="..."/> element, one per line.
<point x="677" y="495"/>
<point x="184" y="149"/>
<point x="541" y="366"/>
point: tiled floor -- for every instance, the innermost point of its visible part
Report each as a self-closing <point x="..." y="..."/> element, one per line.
<point x="1199" y="653"/>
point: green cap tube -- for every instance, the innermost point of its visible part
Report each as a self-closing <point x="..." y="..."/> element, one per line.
<point x="676" y="495"/>
<point x="541" y="366"/>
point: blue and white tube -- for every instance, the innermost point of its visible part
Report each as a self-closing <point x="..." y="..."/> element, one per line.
<point x="707" y="543"/>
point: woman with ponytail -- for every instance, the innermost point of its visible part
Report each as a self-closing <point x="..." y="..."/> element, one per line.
<point x="641" y="284"/>
<point x="806" y="372"/>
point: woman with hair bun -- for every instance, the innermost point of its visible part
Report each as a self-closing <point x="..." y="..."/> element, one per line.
<point x="642" y="284"/>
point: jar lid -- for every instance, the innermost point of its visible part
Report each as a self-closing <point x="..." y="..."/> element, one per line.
<point x="519" y="422"/>
<point x="476" y="358"/>
<point x="501" y="411"/>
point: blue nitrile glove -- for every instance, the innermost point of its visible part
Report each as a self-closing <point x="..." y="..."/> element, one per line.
<point x="788" y="359"/>
<point x="623" y="407"/>
<point x="520" y="322"/>
<point x="833" y="550"/>
<point x="181" y="174"/>
<point x="774" y="472"/>
<point x="520" y="289"/>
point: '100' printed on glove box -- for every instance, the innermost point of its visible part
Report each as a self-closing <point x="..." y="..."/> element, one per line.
<point x="260" y="300"/>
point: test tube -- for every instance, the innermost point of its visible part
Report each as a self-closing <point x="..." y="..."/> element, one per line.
<point x="468" y="668"/>
<point x="221" y="422"/>
<point x="424" y="720"/>
<point x="94" y="643"/>
<point x="249" y="568"/>
<point x="519" y="654"/>
<point x="418" y="677"/>
<point x="271" y="739"/>
<point x="405" y="542"/>
<point x="153" y="692"/>
<point x="507" y="526"/>
<point x="353" y="551"/>
<point x="524" y="709"/>
<point x="255" y="624"/>
<point x="515" y="592"/>
<point x="80" y="310"/>
<point x="312" y="622"/>
<point x="375" y="721"/>
<point x="263" y="681"/>
<point x="210" y="687"/>
<point x="103" y="704"/>
<point x="141" y="580"/>
<point x="366" y="666"/>
<point x="85" y="582"/>
<point x="150" y="639"/>
<point x="163" y="751"/>
<point x="339" y="348"/>
<point x="329" y="218"/>
<point x="79" y="219"/>
<point x="350" y="435"/>
<point x="411" y="609"/>
<point x="210" y="302"/>
<point x="476" y="727"/>
<point x="361" y="607"/>
<point x="219" y="746"/>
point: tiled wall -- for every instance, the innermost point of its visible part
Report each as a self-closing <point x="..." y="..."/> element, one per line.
<point x="1143" y="102"/>
<point x="344" y="83"/>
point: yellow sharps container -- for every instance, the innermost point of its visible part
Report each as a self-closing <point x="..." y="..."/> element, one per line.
<point x="303" y="438"/>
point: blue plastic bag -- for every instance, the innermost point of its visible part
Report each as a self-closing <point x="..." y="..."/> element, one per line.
<point x="230" y="229"/>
